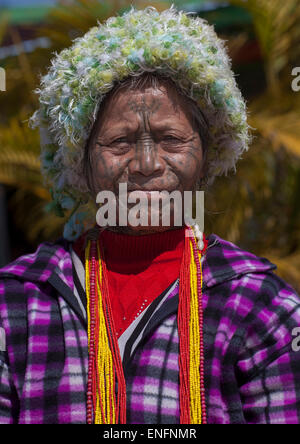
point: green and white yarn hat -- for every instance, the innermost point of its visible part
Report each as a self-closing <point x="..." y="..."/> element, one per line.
<point x="172" y="43"/>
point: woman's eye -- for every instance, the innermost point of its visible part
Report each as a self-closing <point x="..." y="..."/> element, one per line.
<point x="120" y="140"/>
<point x="170" y="139"/>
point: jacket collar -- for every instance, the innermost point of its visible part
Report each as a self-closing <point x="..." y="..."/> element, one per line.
<point x="223" y="261"/>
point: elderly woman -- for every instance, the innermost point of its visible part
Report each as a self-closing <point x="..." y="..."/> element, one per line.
<point x="146" y="323"/>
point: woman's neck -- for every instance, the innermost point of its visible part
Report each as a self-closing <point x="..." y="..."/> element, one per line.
<point x="123" y="248"/>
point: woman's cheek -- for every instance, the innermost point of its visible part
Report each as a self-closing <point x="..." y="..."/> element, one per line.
<point x="110" y="170"/>
<point x="102" y="171"/>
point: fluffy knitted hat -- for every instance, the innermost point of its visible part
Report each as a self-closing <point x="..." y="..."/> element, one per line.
<point x="171" y="43"/>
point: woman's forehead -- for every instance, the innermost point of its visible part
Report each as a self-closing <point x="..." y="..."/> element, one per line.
<point x="148" y="97"/>
<point x="156" y="103"/>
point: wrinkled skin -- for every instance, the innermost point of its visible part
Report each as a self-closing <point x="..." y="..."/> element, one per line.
<point x="145" y="138"/>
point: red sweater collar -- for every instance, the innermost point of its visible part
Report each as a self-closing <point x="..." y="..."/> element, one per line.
<point x="139" y="269"/>
<point x="128" y="253"/>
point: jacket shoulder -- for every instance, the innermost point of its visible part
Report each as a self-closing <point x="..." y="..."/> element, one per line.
<point x="39" y="265"/>
<point x="246" y="278"/>
<point x="226" y="261"/>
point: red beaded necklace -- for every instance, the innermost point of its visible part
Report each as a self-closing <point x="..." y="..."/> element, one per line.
<point x="106" y="388"/>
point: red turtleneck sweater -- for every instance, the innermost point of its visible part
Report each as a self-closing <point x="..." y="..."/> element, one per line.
<point x="139" y="269"/>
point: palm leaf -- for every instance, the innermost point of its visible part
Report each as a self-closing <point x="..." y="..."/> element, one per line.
<point x="276" y="25"/>
<point x="36" y="224"/>
<point x="276" y="113"/>
<point x="4" y="20"/>
<point x="70" y="19"/>
<point x="282" y="130"/>
<point x="19" y="158"/>
<point x="20" y="169"/>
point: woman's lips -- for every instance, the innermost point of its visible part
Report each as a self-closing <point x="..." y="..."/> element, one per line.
<point x="148" y="191"/>
<point x="152" y="191"/>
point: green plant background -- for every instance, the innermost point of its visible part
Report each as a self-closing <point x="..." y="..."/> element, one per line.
<point x="258" y="206"/>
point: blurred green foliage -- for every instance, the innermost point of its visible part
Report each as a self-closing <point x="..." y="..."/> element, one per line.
<point x="258" y="207"/>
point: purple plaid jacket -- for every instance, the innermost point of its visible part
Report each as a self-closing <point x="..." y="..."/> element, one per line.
<point x="252" y="352"/>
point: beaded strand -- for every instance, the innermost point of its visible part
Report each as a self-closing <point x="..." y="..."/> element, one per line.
<point x="90" y="286"/>
<point x="106" y="387"/>
<point x="203" y="243"/>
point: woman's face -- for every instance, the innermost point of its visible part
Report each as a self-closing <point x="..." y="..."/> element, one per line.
<point x="146" y="139"/>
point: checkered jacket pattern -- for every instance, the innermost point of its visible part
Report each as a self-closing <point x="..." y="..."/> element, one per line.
<point x="252" y="352"/>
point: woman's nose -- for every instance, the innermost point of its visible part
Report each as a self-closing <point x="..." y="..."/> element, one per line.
<point x="146" y="159"/>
